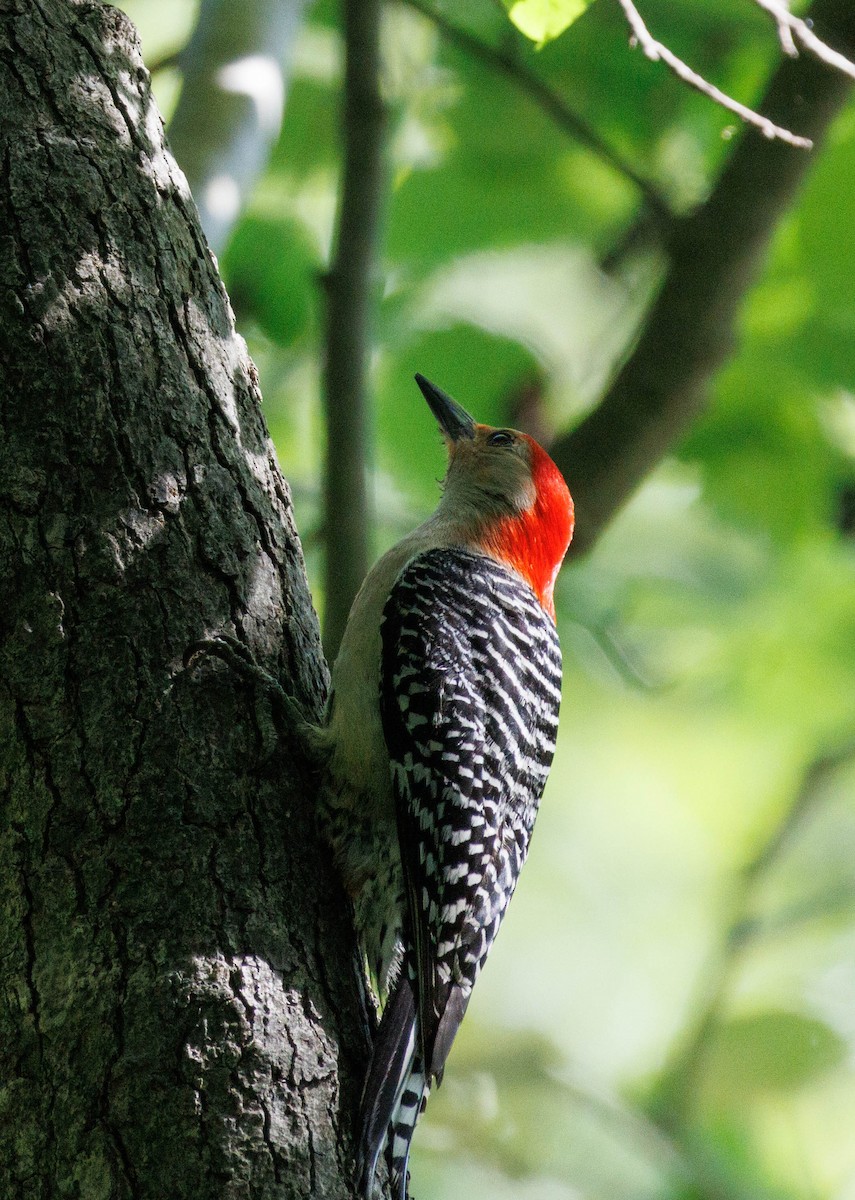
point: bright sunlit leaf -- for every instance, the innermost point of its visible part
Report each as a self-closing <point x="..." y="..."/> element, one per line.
<point x="543" y="20"/>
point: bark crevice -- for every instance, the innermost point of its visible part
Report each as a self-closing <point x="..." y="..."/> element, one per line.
<point x="181" y="1008"/>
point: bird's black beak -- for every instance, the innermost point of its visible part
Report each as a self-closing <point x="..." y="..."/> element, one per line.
<point x="454" y="421"/>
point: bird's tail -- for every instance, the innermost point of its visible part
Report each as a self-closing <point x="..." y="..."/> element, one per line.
<point x="411" y="1104"/>
<point x="395" y="1093"/>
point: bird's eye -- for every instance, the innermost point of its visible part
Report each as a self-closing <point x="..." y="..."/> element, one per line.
<point x="502" y="437"/>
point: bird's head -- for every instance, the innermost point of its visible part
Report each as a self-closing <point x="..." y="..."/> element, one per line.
<point x="503" y="494"/>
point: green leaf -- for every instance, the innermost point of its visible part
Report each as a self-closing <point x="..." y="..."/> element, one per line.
<point x="775" y="1051"/>
<point x="270" y="269"/>
<point x="543" y="20"/>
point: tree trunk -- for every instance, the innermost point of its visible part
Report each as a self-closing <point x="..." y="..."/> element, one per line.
<point x="180" y="1012"/>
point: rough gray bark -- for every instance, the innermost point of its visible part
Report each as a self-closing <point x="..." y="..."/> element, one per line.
<point x="179" y="1013"/>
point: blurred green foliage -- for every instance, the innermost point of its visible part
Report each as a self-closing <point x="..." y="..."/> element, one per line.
<point x="670" y="1012"/>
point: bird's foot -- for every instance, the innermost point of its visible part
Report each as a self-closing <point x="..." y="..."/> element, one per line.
<point x="239" y="658"/>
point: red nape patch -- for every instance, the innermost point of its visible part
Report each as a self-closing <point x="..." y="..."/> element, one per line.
<point x="535" y="542"/>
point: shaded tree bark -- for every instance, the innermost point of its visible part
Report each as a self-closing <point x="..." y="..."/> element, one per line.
<point x="180" y="1013"/>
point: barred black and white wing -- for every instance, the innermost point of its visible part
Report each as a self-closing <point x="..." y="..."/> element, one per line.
<point x="470" y="691"/>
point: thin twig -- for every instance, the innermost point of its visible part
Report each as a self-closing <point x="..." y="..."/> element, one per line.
<point x="785" y="37"/>
<point x="817" y="775"/>
<point x="549" y="101"/>
<point x="688" y="1170"/>
<point x="790" y="27"/>
<point x="657" y="52"/>
<point x="679" y="1081"/>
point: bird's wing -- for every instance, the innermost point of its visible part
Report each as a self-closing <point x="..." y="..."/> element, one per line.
<point x="467" y="658"/>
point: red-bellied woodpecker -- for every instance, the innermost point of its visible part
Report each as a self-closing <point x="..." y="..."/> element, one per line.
<point x="441" y="731"/>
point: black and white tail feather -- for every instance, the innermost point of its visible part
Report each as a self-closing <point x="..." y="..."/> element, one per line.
<point x="395" y="1094"/>
<point x="469" y="696"/>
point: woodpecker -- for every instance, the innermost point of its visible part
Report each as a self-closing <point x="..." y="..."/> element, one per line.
<point x="440" y="734"/>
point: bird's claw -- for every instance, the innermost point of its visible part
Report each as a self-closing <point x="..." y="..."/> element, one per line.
<point x="236" y="655"/>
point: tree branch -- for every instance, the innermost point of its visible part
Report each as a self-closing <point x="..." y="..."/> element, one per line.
<point x="165" y="63"/>
<point x="715" y="256"/>
<point x="657" y="52"/>
<point x="230" y="109"/>
<point x="349" y="302"/>
<point x="791" y="28"/>
<point x="553" y="105"/>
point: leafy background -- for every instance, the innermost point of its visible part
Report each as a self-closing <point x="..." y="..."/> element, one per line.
<point x="670" y="1011"/>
